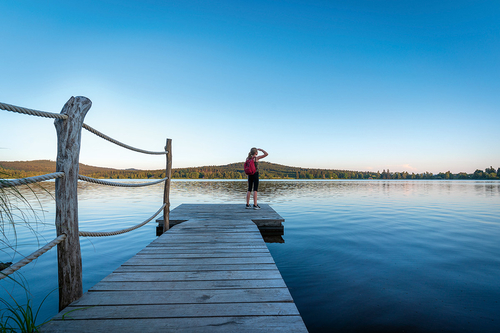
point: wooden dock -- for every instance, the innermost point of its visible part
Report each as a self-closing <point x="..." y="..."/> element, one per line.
<point x="266" y="218"/>
<point x="210" y="273"/>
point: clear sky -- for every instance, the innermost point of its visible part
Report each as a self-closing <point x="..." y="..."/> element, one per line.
<point x="359" y="85"/>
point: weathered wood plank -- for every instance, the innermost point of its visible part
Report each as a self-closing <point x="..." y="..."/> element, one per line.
<point x="212" y="239"/>
<point x="250" y="324"/>
<point x="187" y="285"/>
<point x="179" y="311"/>
<point x="168" y="246"/>
<point x="145" y="297"/>
<point x="210" y="225"/>
<point x="199" y="255"/>
<point x="235" y="211"/>
<point x="210" y="236"/>
<point x="202" y="241"/>
<point x="192" y="268"/>
<point x="206" y="229"/>
<point x="200" y="261"/>
<point x="159" y="250"/>
<point x="192" y="276"/>
<point x="233" y="237"/>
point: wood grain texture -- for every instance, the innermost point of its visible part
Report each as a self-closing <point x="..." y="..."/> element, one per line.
<point x="210" y="274"/>
<point x="266" y="216"/>
<point x="242" y="324"/>
<point x="166" y="191"/>
<point x="68" y="156"/>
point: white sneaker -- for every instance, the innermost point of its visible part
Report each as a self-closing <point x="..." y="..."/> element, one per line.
<point x="256" y="207"/>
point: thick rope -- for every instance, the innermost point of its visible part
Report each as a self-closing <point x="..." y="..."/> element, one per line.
<point x="18" y="109"/>
<point x="11" y="269"/>
<point x="113" y="233"/>
<point x="30" y="180"/>
<point x="105" y="137"/>
<point x="104" y="182"/>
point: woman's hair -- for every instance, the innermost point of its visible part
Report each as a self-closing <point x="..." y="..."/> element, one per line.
<point x="251" y="153"/>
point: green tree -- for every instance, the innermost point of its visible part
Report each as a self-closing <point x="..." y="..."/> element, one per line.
<point x="478" y="174"/>
<point x="489" y="170"/>
<point x="194" y="175"/>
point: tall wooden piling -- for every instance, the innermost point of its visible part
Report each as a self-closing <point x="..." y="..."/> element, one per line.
<point x="68" y="156"/>
<point x="166" y="193"/>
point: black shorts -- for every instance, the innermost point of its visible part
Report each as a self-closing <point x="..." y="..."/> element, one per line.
<point x="253" y="181"/>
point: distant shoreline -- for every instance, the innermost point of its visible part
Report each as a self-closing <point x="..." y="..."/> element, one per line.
<point x="234" y="171"/>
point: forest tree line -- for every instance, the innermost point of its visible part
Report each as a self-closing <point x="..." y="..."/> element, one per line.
<point x="23" y="169"/>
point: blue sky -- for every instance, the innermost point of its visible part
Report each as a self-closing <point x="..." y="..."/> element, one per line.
<point x="359" y="85"/>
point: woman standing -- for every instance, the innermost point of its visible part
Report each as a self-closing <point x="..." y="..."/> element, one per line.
<point x="253" y="180"/>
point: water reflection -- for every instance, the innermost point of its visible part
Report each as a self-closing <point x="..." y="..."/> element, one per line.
<point x="359" y="256"/>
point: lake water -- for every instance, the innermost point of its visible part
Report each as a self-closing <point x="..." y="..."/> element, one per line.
<point x="358" y="256"/>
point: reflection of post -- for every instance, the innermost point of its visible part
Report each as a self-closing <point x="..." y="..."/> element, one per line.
<point x="68" y="154"/>
<point x="166" y="192"/>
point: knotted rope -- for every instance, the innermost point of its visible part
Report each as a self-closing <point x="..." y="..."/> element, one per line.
<point x="104" y="182"/>
<point x="118" y="232"/>
<point x="30" y="180"/>
<point x="105" y="137"/>
<point x="11" y="269"/>
<point x="19" y="109"/>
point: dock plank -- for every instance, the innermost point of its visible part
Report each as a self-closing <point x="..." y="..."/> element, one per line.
<point x="140" y="267"/>
<point x="193" y="276"/>
<point x="196" y="296"/>
<point x="180" y="311"/>
<point x="200" y="261"/>
<point x="211" y="273"/>
<point x="242" y="324"/>
<point x="187" y="285"/>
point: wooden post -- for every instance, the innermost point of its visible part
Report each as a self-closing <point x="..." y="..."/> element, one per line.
<point x="68" y="155"/>
<point x="166" y="192"/>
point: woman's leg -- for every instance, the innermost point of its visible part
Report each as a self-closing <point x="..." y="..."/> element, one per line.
<point x="249" y="191"/>
<point x="255" y="188"/>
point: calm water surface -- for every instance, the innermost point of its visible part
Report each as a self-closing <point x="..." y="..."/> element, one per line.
<point x="359" y="256"/>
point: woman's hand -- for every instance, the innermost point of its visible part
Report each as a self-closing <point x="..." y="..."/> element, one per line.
<point x="263" y="151"/>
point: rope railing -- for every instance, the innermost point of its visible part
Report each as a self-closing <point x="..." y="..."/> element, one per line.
<point x="30" y="180"/>
<point x="104" y="182"/>
<point x="23" y="110"/>
<point x="19" y="109"/>
<point x="42" y="178"/>
<point x="118" y="232"/>
<point x="105" y="137"/>
<point x="66" y="221"/>
<point x="18" y="265"/>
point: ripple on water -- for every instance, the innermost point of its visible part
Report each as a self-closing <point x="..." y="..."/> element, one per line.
<point x="359" y="256"/>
